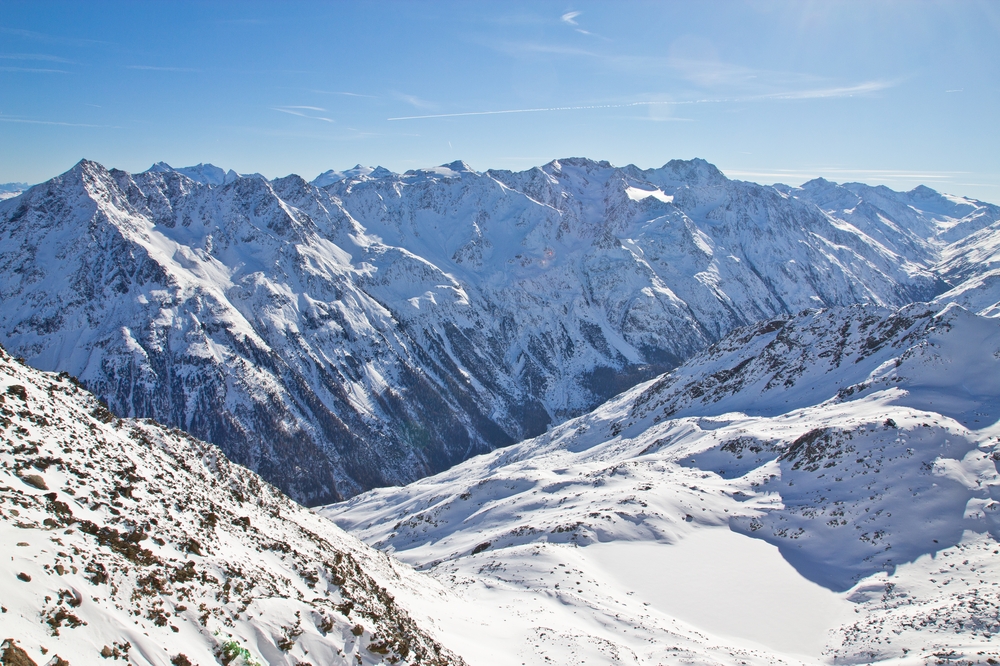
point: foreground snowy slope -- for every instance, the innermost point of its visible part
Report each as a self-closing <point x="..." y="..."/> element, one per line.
<point x="860" y="444"/>
<point x="124" y="539"/>
<point x="370" y="328"/>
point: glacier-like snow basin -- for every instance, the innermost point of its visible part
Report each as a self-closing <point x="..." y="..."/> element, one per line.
<point x="727" y="584"/>
<point x="636" y="194"/>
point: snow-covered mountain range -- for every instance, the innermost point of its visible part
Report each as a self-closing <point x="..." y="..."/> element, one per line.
<point x="370" y="328"/>
<point x="122" y="539"/>
<point x="11" y="190"/>
<point x="821" y="488"/>
<point x="800" y="465"/>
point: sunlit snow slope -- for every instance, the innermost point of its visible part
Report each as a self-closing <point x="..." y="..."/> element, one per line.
<point x="820" y="488"/>
<point x="121" y="539"/>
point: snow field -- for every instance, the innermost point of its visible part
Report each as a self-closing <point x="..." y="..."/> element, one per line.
<point x="807" y="534"/>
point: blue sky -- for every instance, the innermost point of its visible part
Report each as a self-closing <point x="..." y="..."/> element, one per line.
<point x="900" y="93"/>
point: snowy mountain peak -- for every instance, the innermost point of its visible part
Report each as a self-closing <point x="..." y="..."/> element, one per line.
<point x="459" y="166"/>
<point x="923" y="192"/>
<point x="578" y="162"/>
<point x="694" y="172"/>
<point x="87" y="167"/>
<point x="819" y="183"/>
<point x="330" y="177"/>
<point x="160" y="167"/>
<point x="452" y="170"/>
<point x="206" y="174"/>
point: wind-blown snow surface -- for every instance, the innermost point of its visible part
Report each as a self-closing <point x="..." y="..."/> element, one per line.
<point x="128" y="536"/>
<point x="387" y="326"/>
<point x="859" y="444"/>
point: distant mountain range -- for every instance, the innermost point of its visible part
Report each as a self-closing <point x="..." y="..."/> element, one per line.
<point x="370" y="328"/>
<point x="9" y="190"/>
<point x="720" y="422"/>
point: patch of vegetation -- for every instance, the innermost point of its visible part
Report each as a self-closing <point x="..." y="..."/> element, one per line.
<point x="232" y="652"/>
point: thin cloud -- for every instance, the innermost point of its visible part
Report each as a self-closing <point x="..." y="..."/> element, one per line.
<point x="35" y="56"/>
<point x="242" y="21"/>
<point x="707" y="73"/>
<point x="536" y="110"/>
<point x="666" y="119"/>
<point x="301" y="134"/>
<point x="413" y="100"/>
<point x="43" y="37"/>
<point x="29" y="121"/>
<point x="838" y="173"/>
<point x="298" y="111"/>
<point x="898" y="172"/>
<point x="154" y="68"/>
<point x="341" y="92"/>
<point x="521" y="48"/>
<point x="569" y="17"/>
<point x="824" y="93"/>
<point x="842" y="91"/>
<point x="34" y="70"/>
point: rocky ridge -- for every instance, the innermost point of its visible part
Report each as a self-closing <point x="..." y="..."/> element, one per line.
<point x="127" y="540"/>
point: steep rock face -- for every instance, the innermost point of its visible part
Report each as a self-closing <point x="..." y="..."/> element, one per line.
<point x="734" y="252"/>
<point x="128" y="540"/>
<point x="640" y="267"/>
<point x="386" y="326"/>
<point x="972" y="266"/>
<point x="905" y="221"/>
<point x="225" y="312"/>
